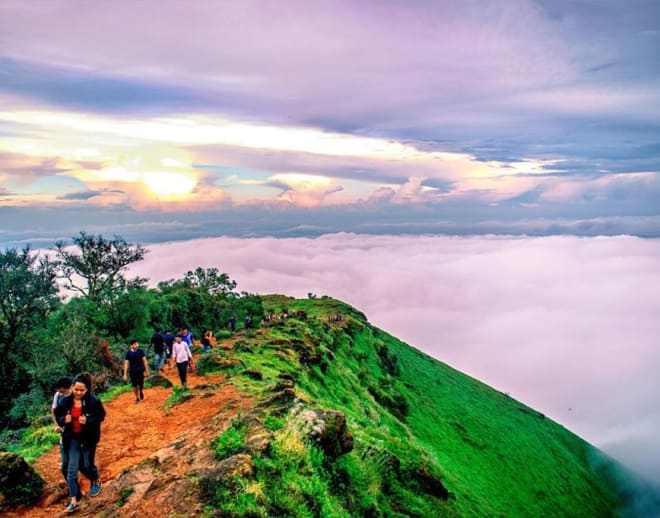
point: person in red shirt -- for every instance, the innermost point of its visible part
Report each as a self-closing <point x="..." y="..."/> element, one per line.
<point x="80" y="415"/>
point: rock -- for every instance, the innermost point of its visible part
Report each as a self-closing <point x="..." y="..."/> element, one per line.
<point x="226" y="471"/>
<point x="258" y="438"/>
<point x="286" y="396"/>
<point x="19" y="483"/>
<point x="281" y="385"/>
<point x="327" y="429"/>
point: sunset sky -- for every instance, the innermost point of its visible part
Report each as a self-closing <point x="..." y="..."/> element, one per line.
<point x="481" y="178"/>
<point x="168" y="120"/>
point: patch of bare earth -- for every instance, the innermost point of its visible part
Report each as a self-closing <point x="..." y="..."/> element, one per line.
<point x="147" y="455"/>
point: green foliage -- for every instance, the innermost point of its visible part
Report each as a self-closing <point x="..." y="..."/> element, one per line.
<point x="205" y="299"/>
<point x="230" y="441"/>
<point x="28" y="294"/>
<point x="114" y="391"/>
<point x="124" y="495"/>
<point x="421" y="431"/>
<point x="178" y="395"/>
<point x="274" y="423"/>
<point x="35" y="441"/>
<point x="101" y="263"/>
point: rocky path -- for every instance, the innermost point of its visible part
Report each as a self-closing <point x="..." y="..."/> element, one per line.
<point x="134" y="432"/>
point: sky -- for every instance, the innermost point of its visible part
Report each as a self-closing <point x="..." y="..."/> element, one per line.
<point x="494" y="164"/>
<point x="164" y="120"/>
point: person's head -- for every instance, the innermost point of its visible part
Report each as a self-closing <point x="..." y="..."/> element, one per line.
<point x="82" y="384"/>
<point x="177" y="339"/>
<point x="63" y="386"/>
<point x="134" y="345"/>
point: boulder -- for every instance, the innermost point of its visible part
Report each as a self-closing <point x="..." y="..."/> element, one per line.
<point x="325" y="428"/>
<point x="19" y="483"/>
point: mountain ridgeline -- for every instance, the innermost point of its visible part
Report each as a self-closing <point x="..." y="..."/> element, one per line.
<point x="339" y="419"/>
<point x="356" y="423"/>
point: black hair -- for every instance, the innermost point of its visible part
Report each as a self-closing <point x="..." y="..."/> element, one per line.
<point x="64" y="382"/>
<point x="133" y="341"/>
<point x="85" y="378"/>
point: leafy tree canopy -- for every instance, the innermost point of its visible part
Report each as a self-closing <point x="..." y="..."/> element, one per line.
<point x="101" y="264"/>
<point x="28" y="292"/>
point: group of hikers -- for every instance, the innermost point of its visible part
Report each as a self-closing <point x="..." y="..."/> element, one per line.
<point x="77" y="412"/>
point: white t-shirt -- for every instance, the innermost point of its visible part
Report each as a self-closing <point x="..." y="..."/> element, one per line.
<point x="181" y="352"/>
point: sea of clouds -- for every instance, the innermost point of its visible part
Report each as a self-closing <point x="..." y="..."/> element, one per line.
<point x="568" y="325"/>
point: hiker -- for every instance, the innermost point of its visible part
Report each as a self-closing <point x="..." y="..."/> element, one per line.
<point x="207" y="340"/>
<point x="249" y="322"/>
<point x="79" y="415"/>
<point x="62" y="389"/>
<point x="158" y="341"/>
<point x="186" y="336"/>
<point x="135" y="363"/>
<point x="232" y="324"/>
<point x="168" y="337"/>
<point x="182" y="356"/>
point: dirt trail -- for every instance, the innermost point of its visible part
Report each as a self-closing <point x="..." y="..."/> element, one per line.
<point x="133" y="431"/>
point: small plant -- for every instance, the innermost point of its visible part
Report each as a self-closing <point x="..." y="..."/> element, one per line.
<point x="178" y="395"/>
<point x="124" y="495"/>
<point x="115" y="391"/>
<point x="274" y="423"/>
<point x="231" y="441"/>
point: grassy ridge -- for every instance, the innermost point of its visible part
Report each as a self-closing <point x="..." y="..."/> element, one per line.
<point x="415" y="421"/>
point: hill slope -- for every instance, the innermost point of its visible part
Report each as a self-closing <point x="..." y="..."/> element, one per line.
<point x="322" y="414"/>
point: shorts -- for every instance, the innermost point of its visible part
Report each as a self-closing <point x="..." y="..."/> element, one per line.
<point x="137" y="378"/>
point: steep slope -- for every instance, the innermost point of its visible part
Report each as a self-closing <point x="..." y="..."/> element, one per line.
<point x="317" y="413"/>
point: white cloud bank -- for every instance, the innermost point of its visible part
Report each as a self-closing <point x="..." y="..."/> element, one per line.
<point x="568" y="325"/>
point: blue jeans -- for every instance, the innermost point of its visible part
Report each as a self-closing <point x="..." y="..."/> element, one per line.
<point x="78" y="458"/>
<point x="159" y="360"/>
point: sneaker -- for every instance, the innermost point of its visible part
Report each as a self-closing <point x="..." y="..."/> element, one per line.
<point x="95" y="490"/>
<point x="71" y="508"/>
<point x="141" y="395"/>
<point x="137" y="399"/>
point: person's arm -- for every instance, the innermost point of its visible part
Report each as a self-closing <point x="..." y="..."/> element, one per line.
<point x="53" y="406"/>
<point x="146" y="365"/>
<point x="62" y="414"/>
<point x="125" y="369"/>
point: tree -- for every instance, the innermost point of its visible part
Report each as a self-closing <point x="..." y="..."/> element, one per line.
<point x="101" y="263"/>
<point x="209" y="280"/>
<point x="28" y="294"/>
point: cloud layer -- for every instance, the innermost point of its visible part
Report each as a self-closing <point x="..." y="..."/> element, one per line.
<point x="567" y="325"/>
<point x="516" y="110"/>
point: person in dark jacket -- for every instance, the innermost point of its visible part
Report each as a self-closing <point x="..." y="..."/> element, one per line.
<point x="80" y="415"/>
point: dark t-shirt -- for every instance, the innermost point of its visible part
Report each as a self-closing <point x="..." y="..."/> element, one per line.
<point x="134" y="358"/>
<point x="158" y="342"/>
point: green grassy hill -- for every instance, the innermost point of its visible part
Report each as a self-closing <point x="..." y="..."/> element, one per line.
<point x="421" y="438"/>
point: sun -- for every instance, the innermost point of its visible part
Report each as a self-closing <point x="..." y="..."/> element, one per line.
<point x="169" y="184"/>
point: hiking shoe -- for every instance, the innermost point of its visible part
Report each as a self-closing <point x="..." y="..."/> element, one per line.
<point x="137" y="399"/>
<point x="95" y="490"/>
<point x="141" y="395"/>
<point x="71" y="508"/>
